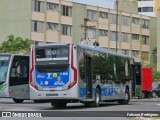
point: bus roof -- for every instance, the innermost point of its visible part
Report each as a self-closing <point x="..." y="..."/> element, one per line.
<point x="103" y="50"/>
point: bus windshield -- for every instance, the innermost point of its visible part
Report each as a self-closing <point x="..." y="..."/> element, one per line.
<point x="4" y="63"/>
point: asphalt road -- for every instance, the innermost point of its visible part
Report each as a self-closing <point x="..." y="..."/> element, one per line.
<point x="153" y="104"/>
<point x="79" y="110"/>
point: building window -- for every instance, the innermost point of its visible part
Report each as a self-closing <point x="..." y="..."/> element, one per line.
<point x="52" y="26"/>
<point x="135" y="21"/>
<point x="135" y="36"/>
<point x="125" y="37"/>
<point x="145" y="40"/>
<point x="52" y="6"/>
<point x="66" y="11"/>
<point x="103" y="15"/>
<point x="145" y="55"/>
<point x="113" y="18"/>
<point x="37" y="26"/>
<point x="103" y="32"/>
<point x="145" y="24"/>
<point x="37" y="6"/>
<point x="66" y="30"/>
<point x="91" y="14"/>
<point x="125" y="52"/>
<point x="113" y="35"/>
<point x="125" y="20"/>
<point x="91" y="33"/>
<point x="145" y="9"/>
<point x="135" y="53"/>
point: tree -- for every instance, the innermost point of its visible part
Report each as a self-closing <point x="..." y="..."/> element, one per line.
<point x="14" y="44"/>
<point x="156" y="76"/>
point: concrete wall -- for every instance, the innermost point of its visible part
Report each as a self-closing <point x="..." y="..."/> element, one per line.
<point x="158" y="40"/>
<point x="153" y="39"/>
<point x="130" y="6"/>
<point x="79" y="14"/>
<point x="15" y="18"/>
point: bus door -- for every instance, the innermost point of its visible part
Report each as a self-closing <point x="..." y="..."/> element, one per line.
<point x="137" y="82"/>
<point x="19" y="78"/>
<point x="88" y="77"/>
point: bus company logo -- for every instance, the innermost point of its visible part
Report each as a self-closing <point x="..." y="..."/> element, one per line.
<point x="49" y="75"/>
<point x="46" y="82"/>
<point x="40" y="75"/>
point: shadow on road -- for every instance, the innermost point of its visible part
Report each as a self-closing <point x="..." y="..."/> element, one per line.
<point x="82" y="106"/>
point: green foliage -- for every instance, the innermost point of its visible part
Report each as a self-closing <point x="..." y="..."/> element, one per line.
<point x="154" y="52"/>
<point x="14" y="44"/>
<point x="156" y="76"/>
<point x="146" y="64"/>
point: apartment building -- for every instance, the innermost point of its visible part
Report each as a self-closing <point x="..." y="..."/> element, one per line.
<point x="148" y="7"/>
<point x="62" y="21"/>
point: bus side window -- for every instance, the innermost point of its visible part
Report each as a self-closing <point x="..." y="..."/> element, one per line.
<point x="13" y="72"/>
<point x="14" y="69"/>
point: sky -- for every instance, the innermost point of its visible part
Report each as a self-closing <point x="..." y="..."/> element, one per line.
<point x="100" y="3"/>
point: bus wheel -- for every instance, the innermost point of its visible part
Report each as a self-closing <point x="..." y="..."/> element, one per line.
<point x="59" y="104"/>
<point x="18" y="100"/>
<point x="126" y="100"/>
<point x="97" y="98"/>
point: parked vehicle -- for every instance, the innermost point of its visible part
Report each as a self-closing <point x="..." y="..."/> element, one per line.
<point x="14" y="76"/>
<point x="156" y="89"/>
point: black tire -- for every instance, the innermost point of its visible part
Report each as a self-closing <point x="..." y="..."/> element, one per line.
<point x="126" y="100"/>
<point x="18" y="100"/>
<point x="97" y="98"/>
<point x="154" y="94"/>
<point x="59" y="104"/>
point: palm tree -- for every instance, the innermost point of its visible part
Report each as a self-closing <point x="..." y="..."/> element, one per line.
<point x="15" y="45"/>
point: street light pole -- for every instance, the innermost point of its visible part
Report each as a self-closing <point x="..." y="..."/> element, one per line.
<point x="116" y="25"/>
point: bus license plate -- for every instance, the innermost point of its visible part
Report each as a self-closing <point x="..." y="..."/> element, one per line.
<point x="51" y="94"/>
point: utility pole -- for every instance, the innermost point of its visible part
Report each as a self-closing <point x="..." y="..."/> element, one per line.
<point x="86" y="27"/>
<point x="116" y="25"/>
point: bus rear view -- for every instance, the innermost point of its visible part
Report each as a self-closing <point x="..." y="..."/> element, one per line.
<point x="50" y="73"/>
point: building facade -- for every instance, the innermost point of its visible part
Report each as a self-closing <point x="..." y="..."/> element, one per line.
<point x="148" y="7"/>
<point x="62" y="21"/>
